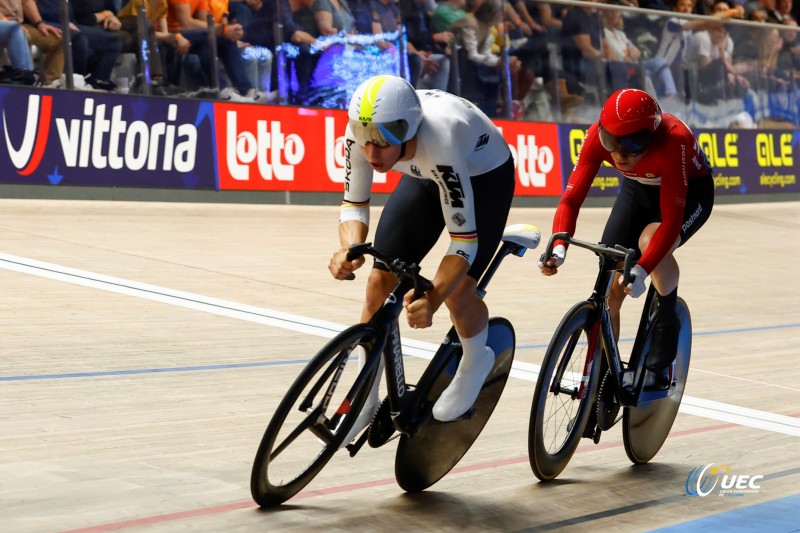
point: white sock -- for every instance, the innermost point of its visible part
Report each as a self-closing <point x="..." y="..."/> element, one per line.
<point x="473" y="351"/>
<point x="475" y="365"/>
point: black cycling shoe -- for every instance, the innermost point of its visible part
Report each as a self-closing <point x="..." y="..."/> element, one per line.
<point x="664" y="344"/>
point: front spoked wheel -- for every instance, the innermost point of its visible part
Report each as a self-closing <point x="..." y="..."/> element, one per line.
<point x="314" y="417"/>
<point x="561" y="404"/>
<point x="644" y="429"/>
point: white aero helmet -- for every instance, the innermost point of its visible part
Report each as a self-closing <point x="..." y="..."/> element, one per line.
<point x="384" y="110"/>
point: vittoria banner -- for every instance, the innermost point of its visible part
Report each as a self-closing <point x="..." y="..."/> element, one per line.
<point x="80" y="138"/>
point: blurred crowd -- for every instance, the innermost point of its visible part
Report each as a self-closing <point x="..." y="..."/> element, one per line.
<point x="514" y="58"/>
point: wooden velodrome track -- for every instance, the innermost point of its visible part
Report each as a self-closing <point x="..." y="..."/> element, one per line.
<point x="145" y="345"/>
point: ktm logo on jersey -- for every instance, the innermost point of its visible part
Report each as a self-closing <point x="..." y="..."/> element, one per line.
<point x="453" y="184"/>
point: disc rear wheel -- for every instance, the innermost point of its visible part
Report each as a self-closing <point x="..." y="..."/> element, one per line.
<point x="645" y="429"/>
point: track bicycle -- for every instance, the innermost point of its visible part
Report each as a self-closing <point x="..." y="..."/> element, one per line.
<point x="583" y="382"/>
<point x="322" y="405"/>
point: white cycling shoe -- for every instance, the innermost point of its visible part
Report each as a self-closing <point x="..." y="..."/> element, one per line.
<point x="462" y="392"/>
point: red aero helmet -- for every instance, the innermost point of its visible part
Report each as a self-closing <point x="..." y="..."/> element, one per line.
<point x="628" y="120"/>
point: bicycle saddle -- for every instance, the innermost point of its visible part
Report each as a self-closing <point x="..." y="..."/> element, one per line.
<point x="526" y="235"/>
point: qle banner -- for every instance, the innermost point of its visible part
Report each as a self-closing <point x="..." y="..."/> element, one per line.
<point x="743" y="161"/>
<point x="79" y="138"/>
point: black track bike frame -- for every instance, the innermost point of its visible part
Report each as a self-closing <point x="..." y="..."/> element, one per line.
<point x="628" y="380"/>
<point x="402" y="397"/>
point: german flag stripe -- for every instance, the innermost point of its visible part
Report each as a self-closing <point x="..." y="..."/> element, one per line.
<point x="464" y="237"/>
<point x="355" y="204"/>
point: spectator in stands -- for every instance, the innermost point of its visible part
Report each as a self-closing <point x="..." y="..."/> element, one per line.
<point x="546" y="25"/>
<point x="362" y="13"/>
<point x="757" y="15"/>
<point x="188" y="17"/>
<point x="299" y="28"/>
<point x="581" y="49"/>
<point x="748" y="38"/>
<point x="157" y="32"/>
<point x="675" y="38"/>
<point x="789" y="55"/>
<point x="763" y="72"/>
<point x="620" y="55"/>
<point x="94" y="51"/>
<point x="476" y="32"/>
<point x="767" y="5"/>
<point x="333" y="16"/>
<point x="45" y="37"/>
<point x="446" y="13"/>
<point x="676" y="34"/>
<point x="784" y="8"/>
<point x="230" y="46"/>
<point x="242" y="12"/>
<point x="710" y="53"/>
<point x="517" y="28"/>
<point x="386" y="20"/>
<point x="19" y="71"/>
<point x="428" y="53"/>
<point x="96" y="13"/>
<point x="385" y="16"/>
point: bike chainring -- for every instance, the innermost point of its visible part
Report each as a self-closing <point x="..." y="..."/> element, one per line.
<point x="607" y="404"/>
<point x="381" y="428"/>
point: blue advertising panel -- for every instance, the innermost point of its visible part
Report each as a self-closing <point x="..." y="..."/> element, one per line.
<point x="608" y="180"/>
<point x="752" y="161"/>
<point x="101" y="139"/>
<point x="744" y="161"/>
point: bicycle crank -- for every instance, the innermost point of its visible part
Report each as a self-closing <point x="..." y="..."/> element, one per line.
<point x="607" y="404"/>
<point x="381" y="428"/>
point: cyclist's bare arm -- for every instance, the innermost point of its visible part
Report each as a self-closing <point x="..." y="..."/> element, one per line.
<point x="350" y="232"/>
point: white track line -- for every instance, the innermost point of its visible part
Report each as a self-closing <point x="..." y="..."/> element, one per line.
<point x="696" y="406"/>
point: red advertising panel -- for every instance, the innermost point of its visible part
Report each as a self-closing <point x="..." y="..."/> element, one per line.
<point x="301" y="149"/>
<point x="283" y="149"/>
<point x="537" y="156"/>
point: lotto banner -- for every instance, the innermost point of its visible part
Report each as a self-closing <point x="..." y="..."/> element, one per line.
<point x="302" y="149"/>
<point x="744" y="161"/>
<point x="80" y="138"/>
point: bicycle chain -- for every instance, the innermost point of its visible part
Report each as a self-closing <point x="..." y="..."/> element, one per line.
<point x="374" y="439"/>
<point x="607" y="417"/>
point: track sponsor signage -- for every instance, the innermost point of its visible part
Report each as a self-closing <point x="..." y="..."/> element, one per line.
<point x="100" y="139"/>
<point x="537" y="156"/>
<point x="744" y="161"/>
<point x="752" y="161"/>
<point x="79" y="138"/>
<point x="301" y="149"/>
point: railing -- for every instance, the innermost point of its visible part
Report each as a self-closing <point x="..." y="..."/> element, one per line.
<point x="761" y="85"/>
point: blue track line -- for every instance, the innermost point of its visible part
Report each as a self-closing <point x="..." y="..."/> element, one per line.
<point x="304" y="361"/>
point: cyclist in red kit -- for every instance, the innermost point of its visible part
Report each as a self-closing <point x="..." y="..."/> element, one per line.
<point x="666" y="195"/>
